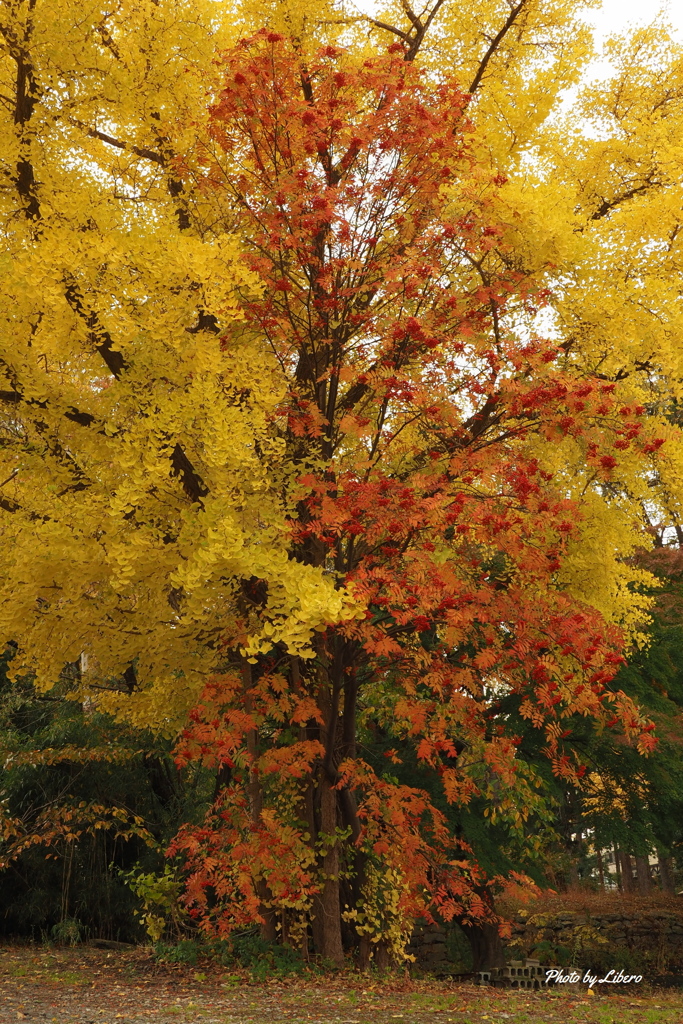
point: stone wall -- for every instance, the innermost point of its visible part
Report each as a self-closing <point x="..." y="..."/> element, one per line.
<point x="653" y="938"/>
<point x="648" y="939"/>
<point x="428" y="946"/>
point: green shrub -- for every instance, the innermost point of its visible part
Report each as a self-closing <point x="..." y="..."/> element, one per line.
<point x="162" y="912"/>
<point x="263" y="960"/>
<point x="186" y="951"/>
<point x="67" y="932"/>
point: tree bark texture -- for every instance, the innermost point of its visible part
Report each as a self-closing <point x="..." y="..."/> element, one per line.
<point x="327" y="937"/>
<point x="601" y="869"/>
<point x="486" y="945"/>
<point x="666" y="873"/>
<point x="626" y="872"/>
<point x="643" y="875"/>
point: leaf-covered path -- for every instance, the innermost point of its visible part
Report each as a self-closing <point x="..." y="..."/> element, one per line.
<point x="92" y="986"/>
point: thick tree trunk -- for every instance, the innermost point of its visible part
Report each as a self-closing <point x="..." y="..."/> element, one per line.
<point x="643" y="872"/>
<point x="483" y="936"/>
<point x="486" y="945"/>
<point x="268" y="928"/>
<point x="573" y="874"/>
<point x="666" y="873"/>
<point x="382" y="958"/>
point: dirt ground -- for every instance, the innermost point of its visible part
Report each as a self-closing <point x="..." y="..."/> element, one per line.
<point x="83" y="985"/>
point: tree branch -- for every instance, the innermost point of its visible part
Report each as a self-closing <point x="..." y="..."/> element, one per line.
<point x="610" y="204"/>
<point x="194" y="486"/>
<point x="94" y="133"/>
<point x="84" y="419"/>
<point x="495" y="43"/>
<point x="101" y="338"/>
<point x="414" y="37"/>
<point x="388" y="28"/>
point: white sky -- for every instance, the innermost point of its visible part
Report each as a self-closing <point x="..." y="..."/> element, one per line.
<point x="617" y="15"/>
<point x="612" y="17"/>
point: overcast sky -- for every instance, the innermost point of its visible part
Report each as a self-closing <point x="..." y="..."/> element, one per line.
<point x="613" y="16"/>
<point x="616" y="15"/>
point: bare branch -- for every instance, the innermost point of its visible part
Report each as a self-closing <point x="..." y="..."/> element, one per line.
<point x="609" y="204"/>
<point x="95" y="133"/>
<point x="495" y="43"/>
<point x="430" y="18"/>
<point x="388" y="28"/>
<point x="412" y="17"/>
<point x="84" y="419"/>
<point x="414" y="37"/>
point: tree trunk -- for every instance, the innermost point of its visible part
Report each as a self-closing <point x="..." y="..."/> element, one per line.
<point x="486" y="945"/>
<point x="382" y="958"/>
<point x="643" y="872"/>
<point x="601" y="869"/>
<point x="573" y="874"/>
<point x="268" y="927"/>
<point x="626" y="871"/>
<point x="327" y="938"/>
<point x="223" y="779"/>
<point x="666" y="873"/>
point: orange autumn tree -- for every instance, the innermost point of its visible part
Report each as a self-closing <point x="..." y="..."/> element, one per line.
<point x="421" y="403"/>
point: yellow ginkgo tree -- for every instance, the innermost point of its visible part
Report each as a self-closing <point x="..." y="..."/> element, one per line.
<point x="142" y="485"/>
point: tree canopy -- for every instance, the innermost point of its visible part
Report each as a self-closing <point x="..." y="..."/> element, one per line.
<point x="339" y="370"/>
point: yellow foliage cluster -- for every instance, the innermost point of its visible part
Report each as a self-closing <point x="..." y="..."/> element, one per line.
<point x="142" y="481"/>
<point x="142" y="472"/>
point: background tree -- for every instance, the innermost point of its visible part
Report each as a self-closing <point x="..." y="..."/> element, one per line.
<point x="635" y="805"/>
<point x="83" y="801"/>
